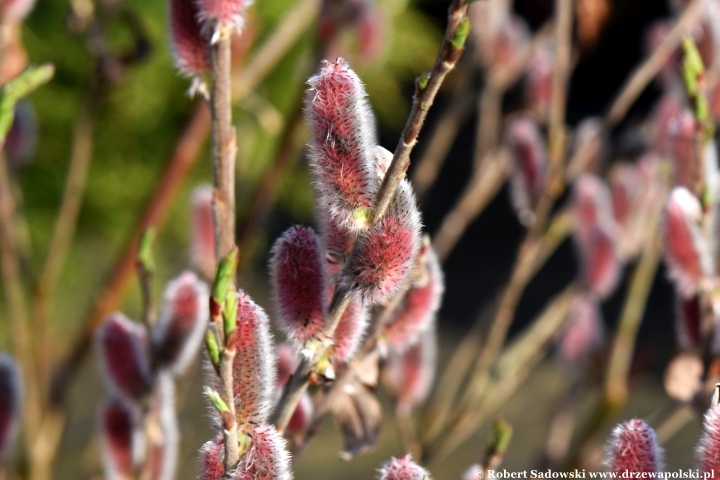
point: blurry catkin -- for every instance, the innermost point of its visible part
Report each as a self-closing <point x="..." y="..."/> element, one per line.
<point x="385" y="254"/>
<point x="686" y="251"/>
<point x="634" y="447"/>
<point x="350" y="331"/>
<point x="121" y="439"/>
<point x="178" y="333"/>
<point x="220" y="15"/>
<point x="403" y="468"/>
<point x="530" y="165"/>
<point x="583" y="331"/>
<point x="11" y="390"/>
<point x="124" y="353"/>
<point x="189" y="47"/>
<point x="13" y="11"/>
<point x="596" y="235"/>
<point x="254" y="364"/>
<point x="708" y="450"/>
<point x="410" y="374"/>
<point x="341" y="144"/>
<point x="419" y="306"/>
<point x="297" y="278"/>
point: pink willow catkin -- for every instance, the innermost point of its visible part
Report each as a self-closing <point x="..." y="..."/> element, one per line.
<point x="188" y="45"/>
<point x="341" y="144"/>
<point x="595" y="235"/>
<point x="221" y="15"/>
<point x="686" y="251"/>
<point x="254" y="365"/>
<point x="634" y="447"/>
<point x="119" y="435"/>
<point x="266" y="459"/>
<point x="298" y="280"/>
<point x="177" y="335"/>
<point x="708" y="450"/>
<point x="10" y="402"/>
<point x="124" y="353"/>
<point x="386" y="252"/>
<point x="419" y="306"/>
<point x="402" y="469"/>
<point x="530" y="166"/>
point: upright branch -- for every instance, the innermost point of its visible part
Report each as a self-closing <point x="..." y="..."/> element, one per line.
<point x="426" y="88"/>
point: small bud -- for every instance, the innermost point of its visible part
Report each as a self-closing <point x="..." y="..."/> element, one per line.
<point x="402" y="469"/>
<point x="350" y="331"/>
<point x="203" y="231"/>
<point x="530" y="166"/>
<point x="583" y="332"/>
<point x="124" y="355"/>
<point x="298" y="280"/>
<point x="687" y="321"/>
<point x="189" y="47"/>
<point x="686" y="251"/>
<point x="122" y="440"/>
<point x="634" y="447"/>
<point x="222" y="14"/>
<point x="11" y="391"/>
<point x="342" y="138"/>
<point x="254" y="364"/>
<point x="183" y="319"/>
<point x="386" y="252"/>
<point x="410" y="375"/>
<point x="709" y="446"/>
<point x="213" y="348"/>
<point x="419" y="306"/>
<point x="224" y="275"/>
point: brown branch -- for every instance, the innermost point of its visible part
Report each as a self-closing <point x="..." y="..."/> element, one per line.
<point x="224" y="150"/>
<point x="426" y="89"/>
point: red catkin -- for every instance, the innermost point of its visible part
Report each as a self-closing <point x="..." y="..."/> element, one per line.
<point x="178" y="333"/>
<point x="403" y="468"/>
<point x="634" y="447"/>
<point x="298" y="279"/>
<point x="189" y="47"/>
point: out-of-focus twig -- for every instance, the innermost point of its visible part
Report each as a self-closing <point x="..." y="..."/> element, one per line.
<point x="482" y="188"/>
<point x="514" y="366"/>
<point x="616" y="381"/>
<point x="183" y="158"/>
<point x="644" y="73"/>
<point x="61" y="240"/>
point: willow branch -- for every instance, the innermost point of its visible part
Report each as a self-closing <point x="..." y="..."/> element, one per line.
<point x="426" y="89"/>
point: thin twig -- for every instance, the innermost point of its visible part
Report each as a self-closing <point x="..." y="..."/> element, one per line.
<point x="616" y="381"/>
<point x="426" y="89"/>
<point x="482" y="188"/>
<point x="224" y="150"/>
